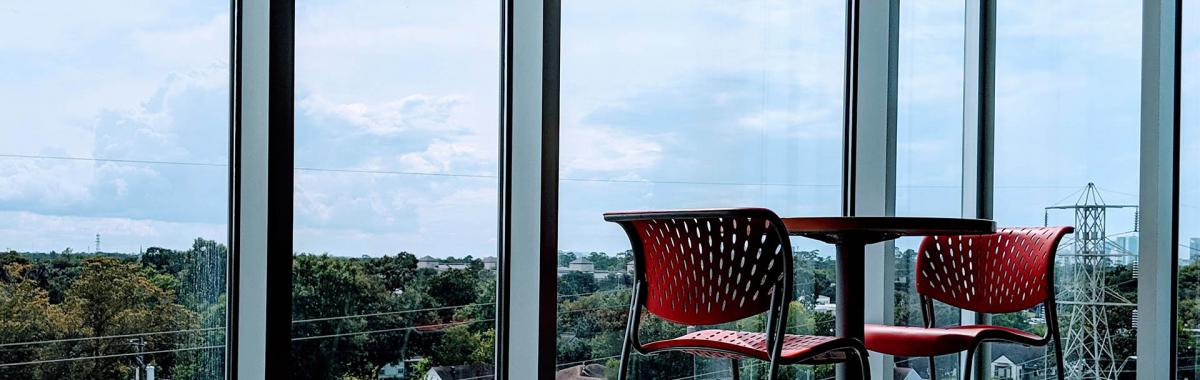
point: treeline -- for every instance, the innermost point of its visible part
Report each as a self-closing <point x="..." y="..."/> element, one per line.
<point x="84" y="315"/>
<point x="69" y="315"/>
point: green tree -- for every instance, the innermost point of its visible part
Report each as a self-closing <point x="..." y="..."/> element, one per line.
<point x="114" y="297"/>
<point x="26" y="315"/>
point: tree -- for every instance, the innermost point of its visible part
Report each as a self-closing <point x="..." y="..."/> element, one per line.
<point x="324" y="287"/>
<point x="576" y="283"/>
<point x="26" y="315"/>
<point x="114" y="297"/>
<point x="396" y="272"/>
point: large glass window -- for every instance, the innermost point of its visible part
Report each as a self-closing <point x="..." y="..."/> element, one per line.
<point x="690" y="105"/>
<point x="929" y="125"/>
<point x="1068" y="91"/>
<point x="1188" y="316"/>
<point x="395" y="189"/>
<point x="114" y="150"/>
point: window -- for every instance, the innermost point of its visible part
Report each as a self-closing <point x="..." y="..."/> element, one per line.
<point x="113" y="189"/>
<point x="1068" y="85"/>
<point x="690" y="105"/>
<point x="929" y="146"/>
<point x="395" y="189"/>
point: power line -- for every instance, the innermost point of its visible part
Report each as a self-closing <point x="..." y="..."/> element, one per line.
<point x="2" y="365"/>
<point x="109" y="337"/>
<point x="114" y="160"/>
<point x="431" y="174"/>
<point x="222" y="327"/>
<point x="364" y="171"/>
<point x="389" y="313"/>
<point x="451" y="324"/>
<point x="591" y="293"/>
<point x="565" y="365"/>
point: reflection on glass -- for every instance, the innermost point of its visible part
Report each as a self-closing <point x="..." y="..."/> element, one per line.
<point x="394" y="270"/>
<point x="1057" y="84"/>
<point x="689" y="105"/>
<point x="113" y="185"/>
<point x="929" y="150"/>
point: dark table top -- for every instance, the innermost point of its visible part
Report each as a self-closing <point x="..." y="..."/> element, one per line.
<point x="874" y="229"/>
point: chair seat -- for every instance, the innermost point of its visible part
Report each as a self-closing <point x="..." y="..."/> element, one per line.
<point x="921" y="341"/>
<point x="738" y="344"/>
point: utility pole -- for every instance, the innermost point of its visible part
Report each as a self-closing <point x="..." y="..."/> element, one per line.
<point x="139" y="344"/>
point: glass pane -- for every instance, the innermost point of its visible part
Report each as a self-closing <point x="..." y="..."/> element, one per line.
<point x="1068" y="90"/>
<point x="396" y="189"/>
<point x="929" y="149"/>
<point x="114" y="186"/>
<point x="1189" y="201"/>
<point x="685" y="104"/>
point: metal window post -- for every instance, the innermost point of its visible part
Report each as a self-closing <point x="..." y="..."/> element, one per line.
<point x="261" y="190"/>
<point x="871" y="148"/>
<point x="1159" y="190"/>
<point x="527" y="298"/>
<point x="979" y="52"/>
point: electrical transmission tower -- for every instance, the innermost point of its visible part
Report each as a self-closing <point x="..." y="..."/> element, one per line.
<point x="1085" y="293"/>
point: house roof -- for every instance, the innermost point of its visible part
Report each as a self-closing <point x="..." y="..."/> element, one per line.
<point x="460" y="372"/>
<point x="427" y="258"/>
<point x="581" y="260"/>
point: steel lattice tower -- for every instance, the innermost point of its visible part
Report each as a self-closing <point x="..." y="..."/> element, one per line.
<point x="1084" y="293"/>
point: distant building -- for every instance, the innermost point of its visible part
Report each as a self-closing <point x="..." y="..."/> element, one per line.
<point x="1003" y="368"/>
<point x="582" y="264"/>
<point x="823" y="305"/>
<point x="459" y="372"/>
<point x="427" y="262"/>
<point x="1128" y="244"/>
<point x="629" y="266"/>
<point x="582" y="372"/>
<point x="490" y="263"/>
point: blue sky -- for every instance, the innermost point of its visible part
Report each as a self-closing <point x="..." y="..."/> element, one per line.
<point x="708" y="104"/>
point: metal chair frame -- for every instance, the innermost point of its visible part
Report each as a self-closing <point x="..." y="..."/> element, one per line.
<point x="776" y="313"/>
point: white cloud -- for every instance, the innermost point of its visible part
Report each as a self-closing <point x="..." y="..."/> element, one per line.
<point x="391" y="117"/>
<point x="188" y="47"/>
<point x="445" y="157"/>
<point x="591" y="149"/>
<point x="808" y="123"/>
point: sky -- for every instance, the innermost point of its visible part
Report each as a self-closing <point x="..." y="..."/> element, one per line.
<point x="679" y="104"/>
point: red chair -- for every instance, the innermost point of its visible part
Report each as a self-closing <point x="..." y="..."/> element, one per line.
<point x="1008" y="271"/>
<point x="708" y="267"/>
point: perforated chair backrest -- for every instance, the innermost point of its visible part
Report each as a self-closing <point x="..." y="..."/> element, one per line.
<point x="1008" y="271"/>
<point x="705" y="267"/>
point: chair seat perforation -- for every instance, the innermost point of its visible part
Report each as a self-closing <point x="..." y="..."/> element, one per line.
<point x="740" y="344"/>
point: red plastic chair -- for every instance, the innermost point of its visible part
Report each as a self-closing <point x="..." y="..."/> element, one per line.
<point x="1008" y="271"/>
<point x="707" y="267"/>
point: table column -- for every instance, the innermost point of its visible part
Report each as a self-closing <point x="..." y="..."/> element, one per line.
<point x="850" y="304"/>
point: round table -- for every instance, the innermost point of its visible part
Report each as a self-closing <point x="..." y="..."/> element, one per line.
<point x="851" y="234"/>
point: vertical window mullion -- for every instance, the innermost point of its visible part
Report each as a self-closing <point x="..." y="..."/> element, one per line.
<point x="1159" y="189"/>
<point x="526" y="314"/>
<point x="873" y="154"/>
<point x="260" y="320"/>
<point x="978" y="133"/>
